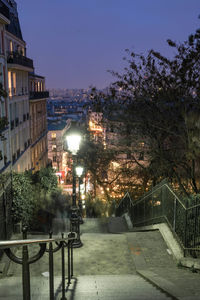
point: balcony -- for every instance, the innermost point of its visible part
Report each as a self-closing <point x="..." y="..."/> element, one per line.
<point x="39" y="95"/>
<point x="18" y="59"/>
<point x="4" y="10"/>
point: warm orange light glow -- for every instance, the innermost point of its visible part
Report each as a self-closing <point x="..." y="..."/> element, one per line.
<point x="94" y="127"/>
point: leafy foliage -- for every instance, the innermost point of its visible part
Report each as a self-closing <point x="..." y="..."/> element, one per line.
<point x="23" y="205"/>
<point x="33" y="192"/>
<point x="46" y="179"/>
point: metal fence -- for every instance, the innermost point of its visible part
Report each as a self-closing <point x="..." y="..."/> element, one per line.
<point x="163" y="205"/>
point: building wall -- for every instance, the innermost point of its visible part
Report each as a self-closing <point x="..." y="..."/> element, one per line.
<point x="38" y="128"/>
<point x="18" y="94"/>
<point x="56" y="153"/>
<point x="5" y="156"/>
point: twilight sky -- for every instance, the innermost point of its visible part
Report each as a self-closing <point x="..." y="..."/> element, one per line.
<point x="74" y="42"/>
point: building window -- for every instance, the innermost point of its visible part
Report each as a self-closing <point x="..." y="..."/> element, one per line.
<point x="9" y="83"/>
<point x="54" y="158"/>
<point x="54" y="148"/>
<point x="12" y="83"/>
<point x="11" y="46"/>
<point x="53" y="135"/>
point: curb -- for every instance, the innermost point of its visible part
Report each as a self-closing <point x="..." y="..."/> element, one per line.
<point x="157" y="285"/>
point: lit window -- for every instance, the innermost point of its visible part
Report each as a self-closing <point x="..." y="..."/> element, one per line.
<point x="11" y="46"/>
<point x="14" y="83"/>
<point x="54" y="147"/>
<point x="53" y="135"/>
<point x="9" y="83"/>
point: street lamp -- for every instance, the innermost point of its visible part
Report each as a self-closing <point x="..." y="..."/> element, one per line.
<point x="73" y="143"/>
<point x="79" y="172"/>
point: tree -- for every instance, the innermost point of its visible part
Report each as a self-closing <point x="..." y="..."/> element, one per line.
<point x="46" y="179"/>
<point x="158" y="99"/>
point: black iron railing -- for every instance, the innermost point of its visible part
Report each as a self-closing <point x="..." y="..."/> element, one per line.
<point x="4" y="10"/>
<point x="39" y="95"/>
<point x="19" y="59"/>
<point x="163" y="205"/>
<point x="46" y="245"/>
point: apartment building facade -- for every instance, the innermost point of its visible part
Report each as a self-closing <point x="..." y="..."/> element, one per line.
<point x="57" y="155"/>
<point x="4" y="108"/>
<point x="18" y="68"/>
<point x="38" y="121"/>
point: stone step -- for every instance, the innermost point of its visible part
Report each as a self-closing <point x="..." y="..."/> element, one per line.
<point x="112" y="287"/>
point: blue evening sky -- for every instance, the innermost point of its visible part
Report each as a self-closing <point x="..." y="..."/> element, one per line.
<point x="74" y="42"/>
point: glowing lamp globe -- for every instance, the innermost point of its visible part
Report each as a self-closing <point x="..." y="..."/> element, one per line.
<point x="73" y="142"/>
<point x="79" y="171"/>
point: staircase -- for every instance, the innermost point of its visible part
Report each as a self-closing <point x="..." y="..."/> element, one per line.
<point x="112" y="264"/>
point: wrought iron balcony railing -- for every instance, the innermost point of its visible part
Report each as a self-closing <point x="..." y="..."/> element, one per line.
<point x="4" y="10"/>
<point x="25" y="260"/>
<point x="39" y="95"/>
<point x="19" y="59"/>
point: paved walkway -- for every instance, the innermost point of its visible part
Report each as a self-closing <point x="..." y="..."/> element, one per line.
<point x="123" y="266"/>
<point x="154" y="261"/>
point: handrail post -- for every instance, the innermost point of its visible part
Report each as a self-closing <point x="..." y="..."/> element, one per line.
<point x="185" y="230"/>
<point x="51" y="270"/>
<point x="63" y="268"/>
<point x="25" y="270"/>
<point x="72" y="260"/>
<point x="69" y="262"/>
<point x="174" y="221"/>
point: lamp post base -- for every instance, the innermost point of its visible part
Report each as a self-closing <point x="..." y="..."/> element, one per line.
<point x="75" y="227"/>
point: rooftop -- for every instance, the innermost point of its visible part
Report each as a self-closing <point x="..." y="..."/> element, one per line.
<point x="56" y="125"/>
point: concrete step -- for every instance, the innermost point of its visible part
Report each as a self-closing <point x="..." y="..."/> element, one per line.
<point x="104" y="225"/>
<point x="116" y="287"/>
<point x="117" y="225"/>
<point x="94" y="225"/>
<point x="124" y="287"/>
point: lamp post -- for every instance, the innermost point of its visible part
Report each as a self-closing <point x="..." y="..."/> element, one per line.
<point x="73" y="142"/>
<point x="79" y="172"/>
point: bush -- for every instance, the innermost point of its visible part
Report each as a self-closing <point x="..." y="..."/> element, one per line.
<point x="23" y="205"/>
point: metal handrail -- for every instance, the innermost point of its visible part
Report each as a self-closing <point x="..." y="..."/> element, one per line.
<point x="127" y="194"/>
<point x="25" y="260"/>
<point x="183" y="220"/>
<point x="15" y="243"/>
<point x="152" y="192"/>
